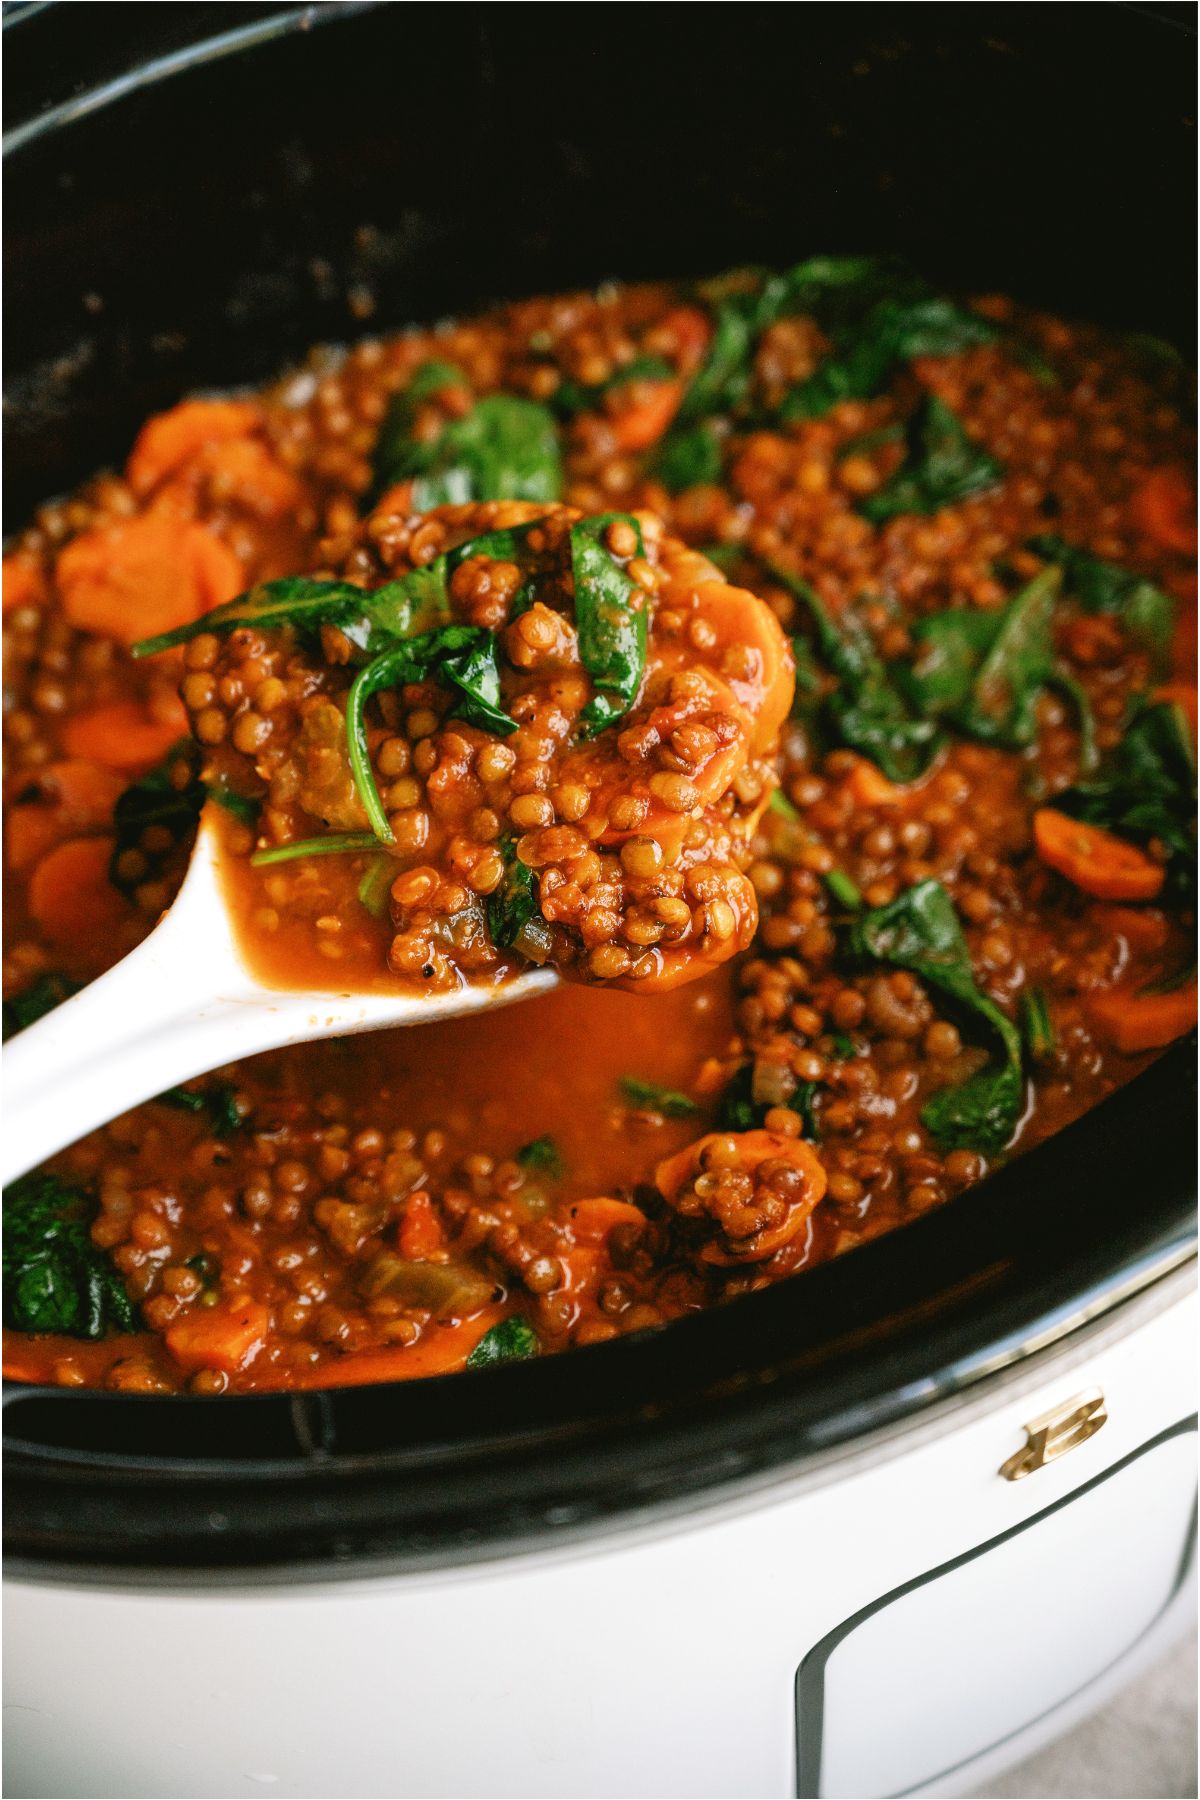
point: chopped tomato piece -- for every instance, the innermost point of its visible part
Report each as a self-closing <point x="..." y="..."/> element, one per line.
<point x="420" y="1229"/>
<point x="869" y="786"/>
<point x="226" y="1336"/>
<point x="144" y="576"/>
<point x="592" y="1220"/>
<point x="1095" y="860"/>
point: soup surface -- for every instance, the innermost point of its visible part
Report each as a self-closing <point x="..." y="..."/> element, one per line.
<point x="834" y="613"/>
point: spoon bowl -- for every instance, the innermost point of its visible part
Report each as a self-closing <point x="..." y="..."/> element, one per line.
<point x="180" y="1004"/>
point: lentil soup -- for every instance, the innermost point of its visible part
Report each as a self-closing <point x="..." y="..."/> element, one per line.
<point x="812" y="656"/>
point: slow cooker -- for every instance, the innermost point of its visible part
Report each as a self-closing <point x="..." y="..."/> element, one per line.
<point x="877" y="1531"/>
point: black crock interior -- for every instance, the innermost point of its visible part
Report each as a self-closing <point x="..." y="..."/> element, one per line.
<point x="205" y="228"/>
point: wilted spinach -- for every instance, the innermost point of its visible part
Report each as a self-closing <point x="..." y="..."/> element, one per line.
<point x="943" y="466"/>
<point x="35" y="1001"/>
<point x="653" y="1098"/>
<point x="504" y="448"/>
<point x="1144" y="610"/>
<point x="514" y="920"/>
<point x="512" y="1340"/>
<point x="216" y="1102"/>
<point x="543" y="1154"/>
<point x="868" y="350"/>
<point x="919" y="931"/>
<point x="740" y="1111"/>
<point x="610" y="618"/>
<point x="55" y="1279"/>
<point x="169" y="798"/>
<point x="1148" y="790"/>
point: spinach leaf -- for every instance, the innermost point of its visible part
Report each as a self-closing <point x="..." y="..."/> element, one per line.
<point x="1037" y="1028"/>
<point x="868" y="352"/>
<point x="740" y="1111"/>
<point x="304" y="603"/>
<point x="169" y="798"/>
<point x="866" y="710"/>
<point x="544" y="1154"/>
<point x="724" y="374"/>
<point x="512" y="1340"/>
<point x="653" y="1098"/>
<point x="688" y="458"/>
<point x="334" y="843"/>
<point x="54" y="1278"/>
<point x="1146" y="612"/>
<point x="459" y="656"/>
<point x="26" y="1008"/>
<point x="243" y="807"/>
<point x="505" y="448"/>
<point x="610" y="618"/>
<point x="919" y="931"/>
<point x="217" y="1102"/>
<point x="942" y="467"/>
<point x="1148" y="790"/>
<point x="514" y="920"/>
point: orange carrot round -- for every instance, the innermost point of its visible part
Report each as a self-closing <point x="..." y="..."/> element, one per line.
<point x="1095" y="860"/>
<point x="124" y="735"/>
<point x="144" y="576"/>
<point x="1133" y="1022"/>
<point x="1164" y="508"/>
<point x="642" y="412"/>
<point x="71" y="899"/>
<point x="172" y="438"/>
<point x="219" y="1337"/>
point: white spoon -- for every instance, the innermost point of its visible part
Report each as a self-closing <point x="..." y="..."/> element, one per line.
<point x="180" y="1004"/>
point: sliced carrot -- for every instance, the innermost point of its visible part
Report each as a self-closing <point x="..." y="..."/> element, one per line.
<point x="1095" y="860"/>
<point x="172" y="438"/>
<point x="242" y="472"/>
<point x="24" y="583"/>
<point x="1144" y="929"/>
<point x="1181" y="694"/>
<point x="71" y="899"/>
<point x="690" y="329"/>
<point x="677" y="1172"/>
<point x="741" y="619"/>
<point x="642" y="411"/>
<point x="1164" y="508"/>
<point x="219" y="1337"/>
<point x="124" y="734"/>
<point x="144" y="576"/>
<point x="869" y="786"/>
<point x="420" y="1229"/>
<point x="592" y="1220"/>
<point x="30" y="832"/>
<point x="1133" y="1022"/>
<point x="71" y="798"/>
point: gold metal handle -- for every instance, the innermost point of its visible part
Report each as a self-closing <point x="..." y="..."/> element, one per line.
<point x="1055" y="1432"/>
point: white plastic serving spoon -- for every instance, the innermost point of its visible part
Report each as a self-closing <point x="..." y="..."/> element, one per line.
<point x="180" y="1004"/>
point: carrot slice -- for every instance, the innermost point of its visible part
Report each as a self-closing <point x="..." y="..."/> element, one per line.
<point x="690" y="329"/>
<point x="124" y="735"/>
<point x="24" y="583"/>
<point x="1164" y="508"/>
<point x="71" y="899"/>
<point x="420" y="1229"/>
<point x="144" y="576"/>
<point x="219" y="1337"/>
<point x="172" y="438"/>
<point x="1145" y="929"/>
<point x="675" y="1173"/>
<point x="1133" y="1022"/>
<point x="439" y="1350"/>
<point x="1095" y="860"/>
<point x="640" y="420"/>
<point x="72" y="797"/>
<point x="241" y="472"/>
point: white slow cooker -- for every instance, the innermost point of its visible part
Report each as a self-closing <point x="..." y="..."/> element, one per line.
<point x="877" y="1531"/>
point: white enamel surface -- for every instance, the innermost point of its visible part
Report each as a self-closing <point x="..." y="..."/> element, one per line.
<point x="660" y="1662"/>
<point x="180" y="1004"/>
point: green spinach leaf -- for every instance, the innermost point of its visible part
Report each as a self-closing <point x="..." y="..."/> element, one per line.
<point x="1144" y="610"/>
<point x="169" y="798"/>
<point x="740" y="1111"/>
<point x="505" y="448"/>
<point x="942" y="467"/>
<point x="919" y="931"/>
<point x="216" y="1101"/>
<point x="610" y="618"/>
<point x="512" y="1340"/>
<point x="514" y="920"/>
<point x="1148" y="791"/>
<point x="688" y="458"/>
<point x="867" y="352"/>
<point x="652" y="1097"/>
<point x="54" y="1277"/>
<point x="35" y="1001"/>
<point x="544" y="1155"/>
